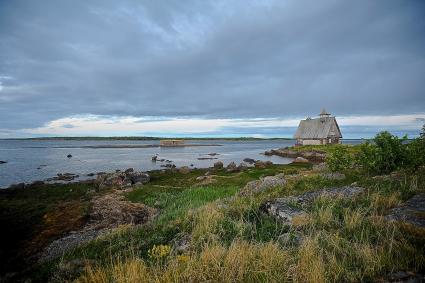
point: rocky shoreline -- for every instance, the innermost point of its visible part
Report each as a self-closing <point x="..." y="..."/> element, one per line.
<point x="311" y="155"/>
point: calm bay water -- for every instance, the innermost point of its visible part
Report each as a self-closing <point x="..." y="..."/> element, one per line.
<point x="29" y="160"/>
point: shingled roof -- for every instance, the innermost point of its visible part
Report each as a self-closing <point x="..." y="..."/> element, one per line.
<point x="319" y="128"/>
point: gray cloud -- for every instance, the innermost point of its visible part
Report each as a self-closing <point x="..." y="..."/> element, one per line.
<point x="209" y="59"/>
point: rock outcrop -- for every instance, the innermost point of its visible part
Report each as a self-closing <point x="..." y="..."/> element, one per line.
<point x="412" y="212"/>
<point x="106" y="212"/>
<point x="288" y="208"/>
<point x="231" y="167"/>
<point x="263" y="184"/>
<point x="122" y="179"/>
<point x="311" y="155"/>
<point x="218" y="165"/>
<point x="301" y="160"/>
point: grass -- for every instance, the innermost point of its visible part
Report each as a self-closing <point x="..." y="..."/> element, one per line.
<point x="232" y="240"/>
<point x="342" y="240"/>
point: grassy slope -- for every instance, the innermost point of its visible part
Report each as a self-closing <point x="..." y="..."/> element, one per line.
<point x="34" y="216"/>
<point x="344" y="240"/>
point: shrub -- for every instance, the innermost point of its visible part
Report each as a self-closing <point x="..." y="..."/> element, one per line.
<point x="415" y="153"/>
<point x="339" y="159"/>
<point x="386" y="154"/>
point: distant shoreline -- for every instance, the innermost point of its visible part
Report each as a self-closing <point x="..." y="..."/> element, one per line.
<point x="125" y="146"/>
<point x="150" y="138"/>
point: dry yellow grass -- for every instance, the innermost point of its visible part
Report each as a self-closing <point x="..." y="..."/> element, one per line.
<point x="241" y="262"/>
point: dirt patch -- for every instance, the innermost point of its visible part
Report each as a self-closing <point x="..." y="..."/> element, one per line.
<point x="106" y="213"/>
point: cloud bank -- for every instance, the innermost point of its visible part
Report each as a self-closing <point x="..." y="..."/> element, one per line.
<point x="201" y="62"/>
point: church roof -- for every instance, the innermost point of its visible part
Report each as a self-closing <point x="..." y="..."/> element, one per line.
<point x="319" y="128"/>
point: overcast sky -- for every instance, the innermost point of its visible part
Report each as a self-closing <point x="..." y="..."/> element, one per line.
<point x="210" y="68"/>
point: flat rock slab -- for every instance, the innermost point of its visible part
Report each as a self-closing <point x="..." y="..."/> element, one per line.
<point x="306" y="199"/>
<point x="283" y="211"/>
<point x="287" y="208"/>
<point x="412" y="211"/>
<point x="265" y="183"/>
<point x="58" y="247"/>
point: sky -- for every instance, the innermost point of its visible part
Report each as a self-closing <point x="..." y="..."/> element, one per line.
<point x="210" y="68"/>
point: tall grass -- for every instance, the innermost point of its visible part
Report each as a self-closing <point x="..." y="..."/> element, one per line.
<point x="339" y="240"/>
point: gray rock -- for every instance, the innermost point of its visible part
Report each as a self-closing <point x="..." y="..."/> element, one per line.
<point x="282" y="210"/>
<point x="184" y="170"/>
<point x="218" y="165"/>
<point x="129" y="170"/>
<point x="260" y="164"/>
<point x="301" y="160"/>
<point x="249" y="160"/>
<point x="285" y="209"/>
<point x="304" y="200"/>
<point x="58" y="247"/>
<point x="181" y="243"/>
<point x="138" y="177"/>
<point x="263" y="184"/>
<point x="333" y="176"/>
<point x="242" y="166"/>
<point x="292" y="238"/>
<point x="232" y="167"/>
<point x="3" y="161"/>
<point x="410" y="212"/>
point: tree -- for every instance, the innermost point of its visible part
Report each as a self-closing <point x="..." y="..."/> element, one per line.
<point x="422" y="135"/>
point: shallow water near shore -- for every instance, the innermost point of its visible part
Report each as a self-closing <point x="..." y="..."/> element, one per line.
<point x="32" y="160"/>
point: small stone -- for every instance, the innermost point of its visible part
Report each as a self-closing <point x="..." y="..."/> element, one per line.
<point x="301" y="160"/>
<point x="218" y="165"/>
<point x="184" y="170"/>
<point x="232" y="167"/>
<point x="260" y="164"/>
<point x="69" y="156"/>
<point x="249" y="160"/>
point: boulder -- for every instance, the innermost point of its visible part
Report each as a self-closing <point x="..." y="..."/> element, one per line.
<point x="3" y="161"/>
<point x="110" y="180"/>
<point x="242" y="166"/>
<point x="249" y="160"/>
<point x="129" y="170"/>
<point x="263" y="184"/>
<point x="154" y="158"/>
<point x="411" y="212"/>
<point x="287" y="208"/>
<point x="181" y="243"/>
<point x="268" y="163"/>
<point x="69" y="156"/>
<point x="232" y="167"/>
<point x="283" y="211"/>
<point x="259" y="164"/>
<point x="218" y="165"/>
<point x="138" y="177"/>
<point x="301" y="160"/>
<point x="184" y="170"/>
